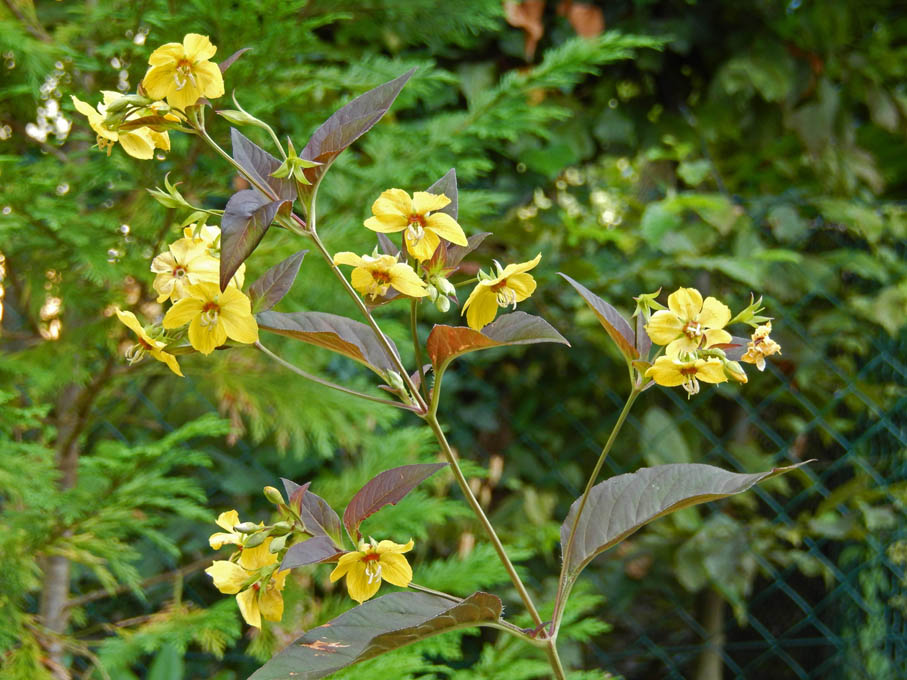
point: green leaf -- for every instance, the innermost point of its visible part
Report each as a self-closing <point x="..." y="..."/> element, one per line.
<point x="168" y="664"/>
<point x="270" y="288"/>
<point x="622" y="505"/>
<point x="317" y="515"/>
<point x="376" y="627"/>
<point x="330" y="331"/>
<point x="244" y="223"/>
<point x="445" y="343"/>
<point x="615" y="325"/>
<point x="347" y="125"/>
<point x="387" y="488"/>
<point x="260" y="164"/>
<point x="312" y="551"/>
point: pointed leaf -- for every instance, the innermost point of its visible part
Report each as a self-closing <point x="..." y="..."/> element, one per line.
<point x="347" y="125"/>
<point x="317" y="515"/>
<point x="270" y="288"/>
<point x="244" y="223"/>
<point x="447" y="185"/>
<point x="260" y="164"/>
<point x="388" y="247"/>
<point x="455" y="253"/>
<point x="643" y="341"/>
<point x="614" y="324"/>
<point x="622" y="505"/>
<point x="376" y="627"/>
<point x="312" y="551"/>
<point x="388" y="488"/>
<point x="445" y="343"/>
<point x="333" y="332"/>
<point x="228" y="62"/>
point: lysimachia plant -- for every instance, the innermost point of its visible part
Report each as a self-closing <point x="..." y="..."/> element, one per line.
<point x="420" y="245"/>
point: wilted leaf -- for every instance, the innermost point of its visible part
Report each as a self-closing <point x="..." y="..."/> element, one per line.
<point x="333" y="332"/>
<point x="260" y="164"/>
<point x="347" y="125"/>
<point x="318" y="517"/>
<point x="528" y="16"/>
<point x="374" y="628"/>
<point x="388" y="488"/>
<point x="614" y="324"/>
<point x="622" y="505"/>
<point x="270" y="288"/>
<point x="314" y="550"/>
<point x="445" y="343"/>
<point x="246" y="218"/>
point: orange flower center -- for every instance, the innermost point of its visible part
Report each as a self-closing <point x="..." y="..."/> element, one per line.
<point x="210" y="315"/>
<point x="688" y="370"/>
<point x="381" y="277"/>
<point x="693" y="330"/>
<point x="416" y="218"/>
<point x="179" y="272"/>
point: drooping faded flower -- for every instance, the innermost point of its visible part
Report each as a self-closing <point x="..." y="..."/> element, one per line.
<point x="671" y="372"/>
<point x="147" y="344"/>
<point x="254" y="581"/>
<point x="374" y="274"/>
<point x="139" y="143"/>
<point x="509" y="286"/>
<point x="185" y="263"/>
<point x="760" y="346"/>
<point x="213" y="316"/>
<point x="418" y="218"/>
<point x="689" y="323"/>
<point x="181" y="72"/>
<point x="373" y="562"/>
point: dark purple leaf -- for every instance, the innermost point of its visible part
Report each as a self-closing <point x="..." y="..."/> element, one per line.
<point x="445" y="343"/>
<point x="318" y="517"/>
<point x="455" y="253"/>
<point x="736" y="348"/>
<point x="246" y="218"/>
<point x="447" y="185"/>
<point x="643" y="342"/>
<point x="270" y="288"/>
<point x="228" y="62"/>
<point x="374" y="628"/>
<point x="347" y="125"/>
<point x="388" y="488"/>
<point x="388" y="247"/>
<point x="333" y="332"/>
<point x="611" y="320"/>
<point x="312" y="551"/>
<point x="260" y="164"/>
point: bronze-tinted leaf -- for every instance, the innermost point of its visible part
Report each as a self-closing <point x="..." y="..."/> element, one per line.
<point x="643" y="341"/>
<point x="244" y="223"/>
<point x="447" y="185"/>
<point x="333" y="332"/>
<point x="312" y="551"/>
<point x="347" y="125"/>
<point x="388" y="488"/>
<point x="614" y="324"/>
<point x="260" y="164"/>
<point x="622" y="505"/>
<point x="376" y="627"/>
<point x="318" y="517"/>
<point x="229" y="61"/>
<point x="270" y="288"/>
<point x="445" y="343"/>
<point x="455" y="253"/>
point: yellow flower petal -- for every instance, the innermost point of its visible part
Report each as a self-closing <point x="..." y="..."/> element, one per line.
<point x="159" y="78"/>
<point x="391" y="547"/>
<point x="512" y="269"/>
<point x="685" y="303"/>
<point x="182" y="313"/>
<point x="228" y="577"/>
<point x="664" y="326"/>
<point x="396" y="570"/>
<point x="348" y="258"/>
<point x="205" y="338"/>
<point x="344" y="564"/>
<point x="168" y="359"/>
<point x="393" y="202"/>
<point x="481" y="307"/>
<point x="666" y="371"/>
<point x="248" y="607"/>
<point x="198" y="47"/>
<point x="358" y="586"/>
<point x="447" y="228"/>
<point x="227" y="520"/>
<point x="271" y="604"/>
<point x="165" y="54"/>
<point x="425" y="247"/>
<point x="424" y="202"/>
<point x="405" y="280"/>
<point x="386" y="224"/>
<point x="137" y="143"/>
<point x="255" y="558"/>
<point x="523" y="285"/>
<point x="714" y="314"/>
<point x="716" y="337"/>
<point x="210" y="80"/>
<point x="128" y="319"/>
<point x="711" y="371"/>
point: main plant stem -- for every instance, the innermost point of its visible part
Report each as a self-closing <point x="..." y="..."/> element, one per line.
<point x="563" y="587"/>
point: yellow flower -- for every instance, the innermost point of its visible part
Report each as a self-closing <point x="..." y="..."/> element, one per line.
<point x="226" y="520"/>
<point x="365" y="568"/>
<point x="207" y="235"/>
<point x="423" y="227"/>
<point x="671" y="372"/>
<point x="689" y="323"/>
<point x="760" y="346"/>
<point x="184" y="264"/>
<point x="182" y="72"/>
<point x="511" y="285"/>
<point x="213" y="316"/>
<point x="147" y="344"/>
<point x="139" y="143"/>
<point x="373" y="275"/>
<point x="257" y="588"/>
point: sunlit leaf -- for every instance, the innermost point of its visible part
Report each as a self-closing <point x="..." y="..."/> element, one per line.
<point x="376" y="627"/>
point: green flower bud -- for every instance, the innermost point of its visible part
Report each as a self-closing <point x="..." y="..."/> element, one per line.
<point x="278" y="544"/>
<point x="256" y="540"/>
<point x="247" y="527"/>
<point x="394" y="380"/>
<point x="442" y="303"/>
<point x="445" y="286"/>
<point x="273" y="495"/>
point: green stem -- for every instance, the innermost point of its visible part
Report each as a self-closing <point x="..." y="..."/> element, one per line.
<point x="563" y="587"/>
<point x="417" y="346"/>
<point x="327" y="383"/>
<point x="432" y="420"/>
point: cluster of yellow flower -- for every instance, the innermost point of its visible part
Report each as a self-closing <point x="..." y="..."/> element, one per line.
<point x="423" y="228"/>
<point x="252" y="572"/>
<point x="179" y="73"/>
<point x="188" y="275"/>
<point x="692" y="331"/>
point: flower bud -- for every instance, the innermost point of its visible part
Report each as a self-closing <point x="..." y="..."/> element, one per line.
<point x="442" y="303"/>
<point x="734" y="371"/>
<point x="239" y="117"/>
<point x="280" y="528"/>
<point x="256" y="540"/>
<point x="432" y="292"/>
<point x="247" y="527"/>
<point x="394" y="380"/>
<point x="445" y="287"/>
<point x="273" y="495"/>
<point x="278" y="544"/>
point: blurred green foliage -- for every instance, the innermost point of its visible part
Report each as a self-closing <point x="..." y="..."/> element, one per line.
<point x="760" y="149"/>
